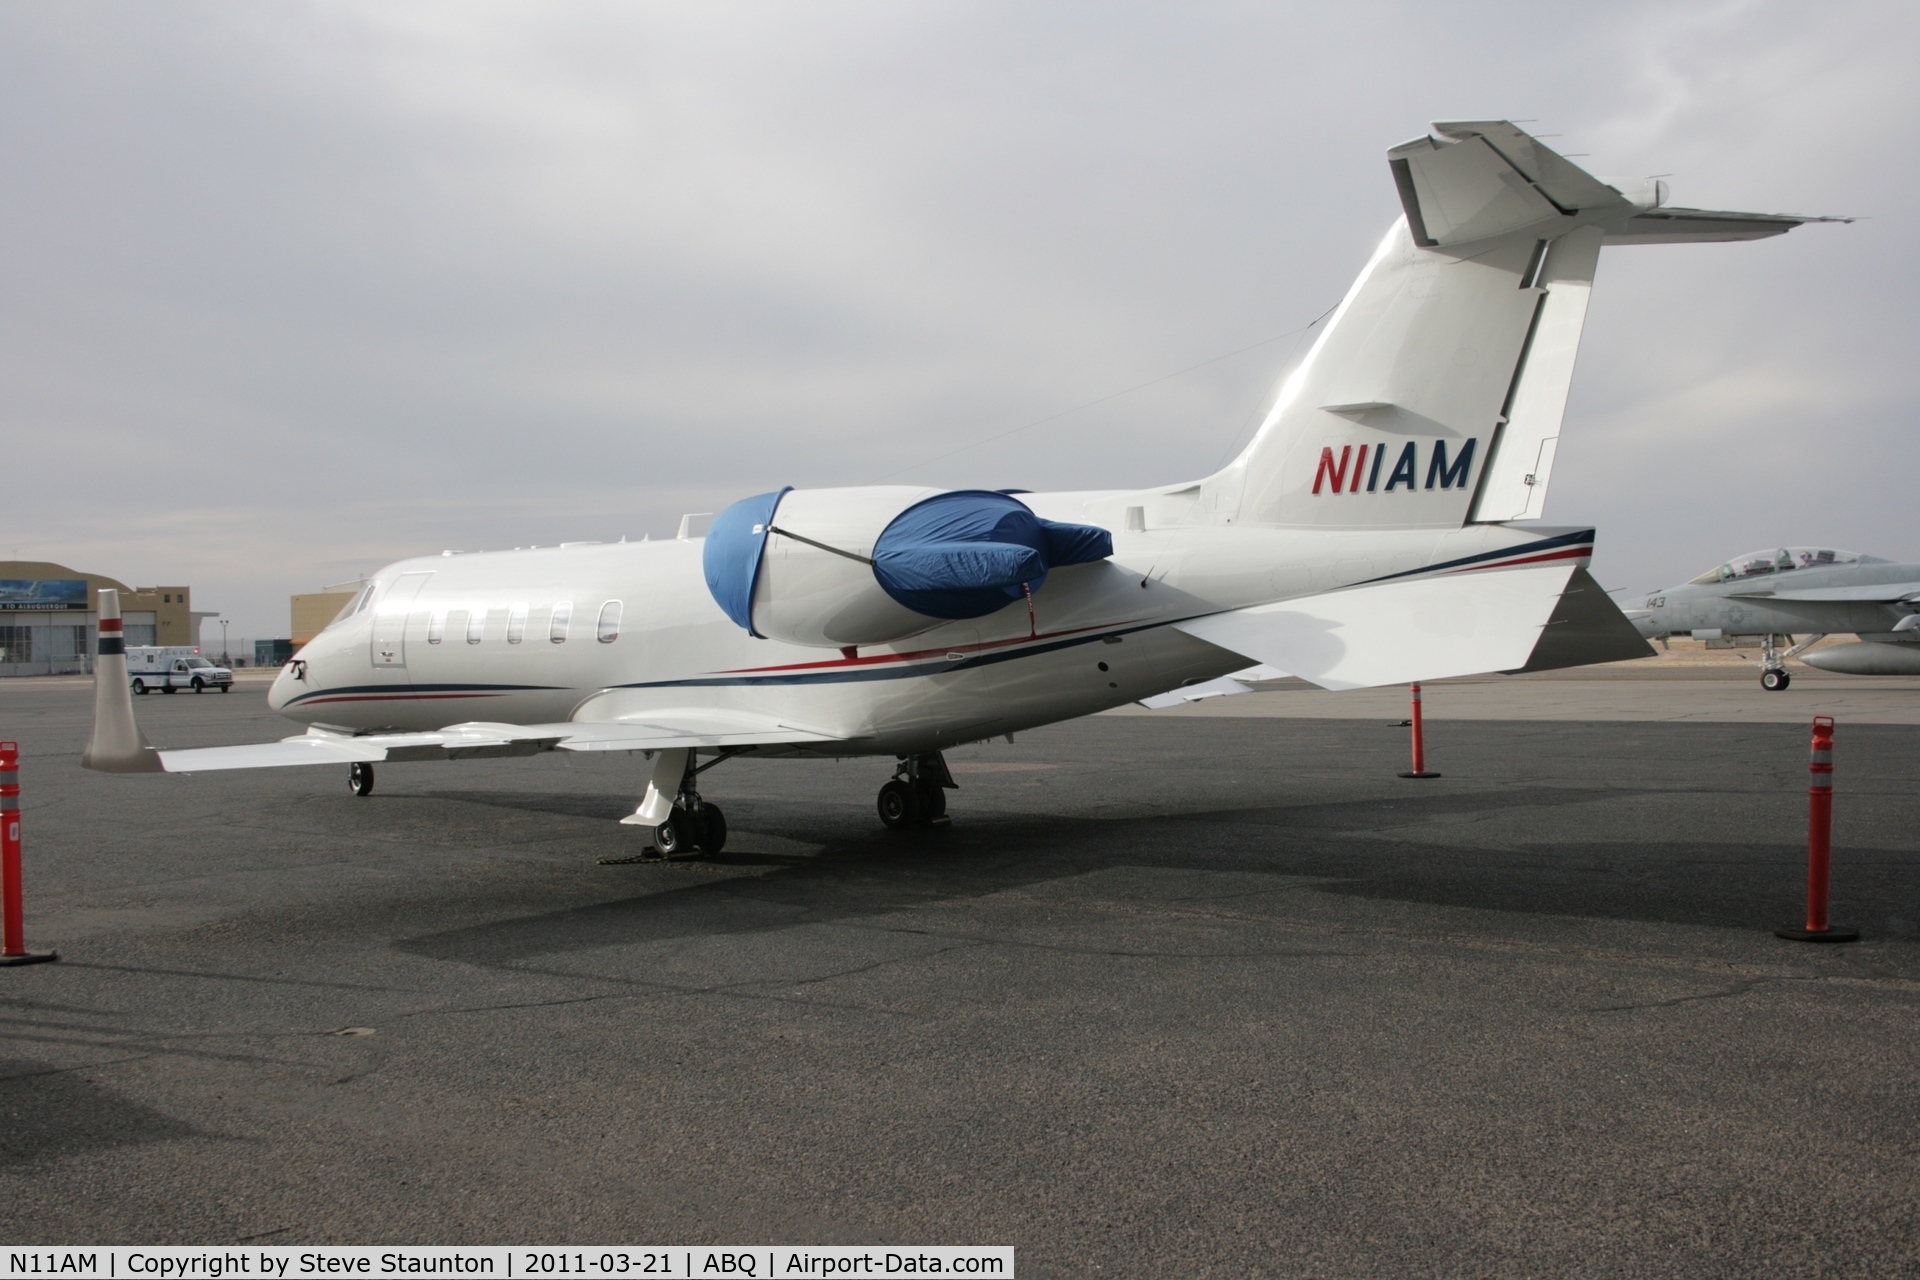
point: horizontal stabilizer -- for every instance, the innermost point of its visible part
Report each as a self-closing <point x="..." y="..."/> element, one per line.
<point x="1704" y="226"/>
<point x="1457" y="624"/>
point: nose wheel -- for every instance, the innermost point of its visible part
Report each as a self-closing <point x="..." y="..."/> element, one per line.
<point x="917" y="795"/>
<point x="1775" y="680"/>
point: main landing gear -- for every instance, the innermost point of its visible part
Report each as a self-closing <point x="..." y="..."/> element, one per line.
<point x="693" y="825"/>
<point x="1773" y="663"/>
<point x="360" y="778"/>
<point x="917" y="796"/>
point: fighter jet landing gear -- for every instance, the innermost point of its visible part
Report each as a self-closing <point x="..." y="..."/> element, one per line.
<point x="360" y="778"/>
<point x="1773" y="663"/>
<point x="917" y="796"/>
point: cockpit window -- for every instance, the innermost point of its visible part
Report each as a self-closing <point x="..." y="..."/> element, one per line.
<point x="1778" y="560"/>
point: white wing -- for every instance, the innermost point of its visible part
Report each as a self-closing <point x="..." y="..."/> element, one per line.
<point x="478" y="740"/>
<point x="1456" y="624"/>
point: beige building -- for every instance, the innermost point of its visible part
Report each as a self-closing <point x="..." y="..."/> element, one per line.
<point x="48" y="618"/>
<point x="312" y="612"/>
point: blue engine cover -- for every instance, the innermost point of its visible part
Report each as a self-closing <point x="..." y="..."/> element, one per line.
<point x="969" y="553"/>
<point x="731" y="557"/>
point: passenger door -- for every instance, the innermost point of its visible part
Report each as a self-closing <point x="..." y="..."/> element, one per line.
<point x="390" y="620"/>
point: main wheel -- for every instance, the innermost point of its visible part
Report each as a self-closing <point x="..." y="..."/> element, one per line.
<point x="140" y="686"/>
<point x="199" y="685"/>
<point x="1775" y="680"/>
<point x="360" y="778"/>
<point x="899" y="806"/>
<point x="714" y="839"/>
<point x="933" y="801"/>
<point x="670" y="837"/>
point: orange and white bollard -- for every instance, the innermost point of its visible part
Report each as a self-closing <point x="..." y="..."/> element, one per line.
<point x="1819" y="842"/>
<point x="13" y="941"/>
<point x="1419" y="769"/>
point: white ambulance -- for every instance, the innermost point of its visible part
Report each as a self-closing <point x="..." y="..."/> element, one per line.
<point x="170" y="667"/>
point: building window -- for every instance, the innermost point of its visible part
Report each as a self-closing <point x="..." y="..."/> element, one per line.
<point x="562" y="615"/>
<point x="16" y="644"/>
<point x="476" y="625"/>
<point x="609" y="622"/>
<point x="517" y="623"/>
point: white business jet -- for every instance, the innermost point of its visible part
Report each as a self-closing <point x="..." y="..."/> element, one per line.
<point x="1362" y="538"/>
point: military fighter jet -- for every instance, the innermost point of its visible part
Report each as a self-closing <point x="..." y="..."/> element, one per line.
<point x="1808" y="592"/>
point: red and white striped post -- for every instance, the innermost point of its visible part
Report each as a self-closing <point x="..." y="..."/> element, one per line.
<point x="13" y="930"/>
<point x="1819" y="842"/>
<point x="1419" y="769"/>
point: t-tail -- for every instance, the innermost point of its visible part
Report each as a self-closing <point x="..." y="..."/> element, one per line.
<point x="1433" y="397"/>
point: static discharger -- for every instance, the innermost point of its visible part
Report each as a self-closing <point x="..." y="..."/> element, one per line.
<point x="1819" y="842"/>
<point x="14" y="951"/>
<point x="1419" y="769"/>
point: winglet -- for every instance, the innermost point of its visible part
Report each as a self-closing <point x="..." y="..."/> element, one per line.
<point x="118" y="746"/>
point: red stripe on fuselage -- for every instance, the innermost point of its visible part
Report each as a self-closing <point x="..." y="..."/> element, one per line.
<point x="917" y="654"/>
<point x="1570" y="553"/>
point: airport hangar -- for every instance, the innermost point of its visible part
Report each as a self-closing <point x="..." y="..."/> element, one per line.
<point x="47" y="617"/>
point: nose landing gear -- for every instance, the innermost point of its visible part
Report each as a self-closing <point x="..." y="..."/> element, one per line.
<point x="917" y="795"/>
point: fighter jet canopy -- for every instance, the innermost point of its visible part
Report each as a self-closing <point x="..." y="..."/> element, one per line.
<point x="1780" y="560"/>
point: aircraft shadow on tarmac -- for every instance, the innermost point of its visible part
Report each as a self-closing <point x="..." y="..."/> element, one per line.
<point x="864" y="873"/>
<point x="57" y="1114"/>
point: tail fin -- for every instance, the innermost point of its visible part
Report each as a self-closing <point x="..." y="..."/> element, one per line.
<point x="1434" y="395"/>
<point x="117" y="746"/>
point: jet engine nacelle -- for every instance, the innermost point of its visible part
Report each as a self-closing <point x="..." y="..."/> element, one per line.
<point x="834" y="568"/>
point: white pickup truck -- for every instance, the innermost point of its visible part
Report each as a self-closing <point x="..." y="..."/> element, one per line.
<point x="170" y="667"/>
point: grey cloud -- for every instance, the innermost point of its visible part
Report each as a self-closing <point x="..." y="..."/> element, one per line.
<point x="485" y="275"/>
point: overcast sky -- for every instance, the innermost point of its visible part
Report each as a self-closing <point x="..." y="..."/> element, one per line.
<point x="289" y="291"/>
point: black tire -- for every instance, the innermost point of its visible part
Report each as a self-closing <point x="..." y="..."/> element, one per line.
<point x="899" y="806"/>
<point x="199" y="685"/>
<point x="933" y="801"/>
<point x="360" y="778"/>
<point x="714" y="834"/>
<point x="140" y="687"/>
<point x="670" y="837"/>
<point x="1774" y="681"/>
<point x="225" y="687"/>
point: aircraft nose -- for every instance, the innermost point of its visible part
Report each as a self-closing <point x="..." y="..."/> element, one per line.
<point x="285" y="687"/>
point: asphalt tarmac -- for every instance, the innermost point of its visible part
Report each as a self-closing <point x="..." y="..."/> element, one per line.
<point x="1189" y="995"/>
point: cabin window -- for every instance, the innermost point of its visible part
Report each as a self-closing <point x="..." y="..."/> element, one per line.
<point x="476" y="625"/>
<point x="436" y="627"/>
<point x="609" y="622"/>
<point x="562" y="615"/>
<point x="517" y="623"/>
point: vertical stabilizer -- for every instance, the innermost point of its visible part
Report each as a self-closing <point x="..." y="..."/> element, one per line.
<point x="1434" y="395"/>
<point x="117" y="746"/>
